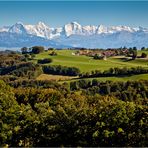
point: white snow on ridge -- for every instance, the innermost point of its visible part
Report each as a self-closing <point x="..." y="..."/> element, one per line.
<point x="102" y="29"/>
<point x="75" y="35"/>
<point x="89" y="30"/>
<point x="73" y="28"/>
<point x="39" y="29"/>
<point x="18" y="28"/>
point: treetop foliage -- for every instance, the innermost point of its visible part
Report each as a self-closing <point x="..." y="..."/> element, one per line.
<point x="50" y="117"/>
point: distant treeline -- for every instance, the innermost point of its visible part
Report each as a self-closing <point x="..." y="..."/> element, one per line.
<point x="61" y="70"/>
<point x="115" y="72"/>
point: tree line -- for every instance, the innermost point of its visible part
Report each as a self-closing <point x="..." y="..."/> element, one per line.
<point x="61" y="70"/>
<point x="35" y="117"/>
<point x="115" y="72"/>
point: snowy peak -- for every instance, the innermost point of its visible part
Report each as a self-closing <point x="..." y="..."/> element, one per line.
<point x="18" y="28"/>
<point x="72" y="28"/>
<point x="141" y="29"/>
<point x="114" y="29"/>
<point x="101" y="29"/>
<point x="74" y="24"/>
<point x="41" y="25"/>
<point x="89" y="30"/>
<point x="74" y="35"/>
<point x="40" y="29"/>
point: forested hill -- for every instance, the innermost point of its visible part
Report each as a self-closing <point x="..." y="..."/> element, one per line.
<point x="85" y="111"/>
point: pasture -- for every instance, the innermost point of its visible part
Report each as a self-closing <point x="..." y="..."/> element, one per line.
<point x="86" y="64"/>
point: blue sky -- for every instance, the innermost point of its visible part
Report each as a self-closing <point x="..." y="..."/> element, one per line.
<point x="58" y="13"/>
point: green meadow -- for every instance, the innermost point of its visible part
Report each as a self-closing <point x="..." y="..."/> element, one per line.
<point x="87" y="64"/>
<point x="129" y="78"/>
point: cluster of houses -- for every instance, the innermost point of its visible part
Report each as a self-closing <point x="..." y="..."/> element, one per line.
<point x="101" y="54"/>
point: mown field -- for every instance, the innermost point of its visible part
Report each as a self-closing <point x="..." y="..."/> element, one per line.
<point x="69" y="79"/>
<point x="87" y="64"/>
<point x="134" y="78"/>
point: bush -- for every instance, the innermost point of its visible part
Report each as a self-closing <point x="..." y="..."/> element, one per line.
<point x="61" y="70"/>
<point x="51" y="49"/>
<point x="45" y="61"/>
<point x="37" y="49"/>
<point x="53" y="53"/>
<point x="143" y="55"/>
<point x="24" y="50"/>
<point x="97" y="57"/>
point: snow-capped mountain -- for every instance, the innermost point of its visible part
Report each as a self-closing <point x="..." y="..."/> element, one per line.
<point x="18" y="28"/>
<point x="74" y="35"/>
<point x="40" y="30"/>
<point x="72" y="28"/>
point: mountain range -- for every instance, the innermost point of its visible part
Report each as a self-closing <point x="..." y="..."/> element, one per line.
<point x="73" y="35"/>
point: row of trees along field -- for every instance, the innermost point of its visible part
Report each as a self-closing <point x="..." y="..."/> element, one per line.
<point x="115" y="72"/>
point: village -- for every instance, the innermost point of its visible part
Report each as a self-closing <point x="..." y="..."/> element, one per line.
<point x="103" y="54"/>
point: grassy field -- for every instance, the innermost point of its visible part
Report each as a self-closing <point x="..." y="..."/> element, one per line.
<point x="85" y="63"/>
<point x="54" y="77"/>
<point x="129" y="78"/>
<point x="68" y="79"/>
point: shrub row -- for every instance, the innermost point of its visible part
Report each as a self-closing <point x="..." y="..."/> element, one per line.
<point x="61" y="70"/>
<point x="115" y="72"/>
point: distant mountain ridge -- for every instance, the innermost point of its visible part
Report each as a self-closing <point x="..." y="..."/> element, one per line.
<point x="72" y="35"/>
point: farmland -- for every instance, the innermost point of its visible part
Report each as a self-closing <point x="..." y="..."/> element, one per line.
<point x="87" y="64"/>
<point x="84" y="63"/>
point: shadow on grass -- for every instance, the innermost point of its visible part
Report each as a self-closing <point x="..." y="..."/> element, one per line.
<point x="126" y="59"/>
